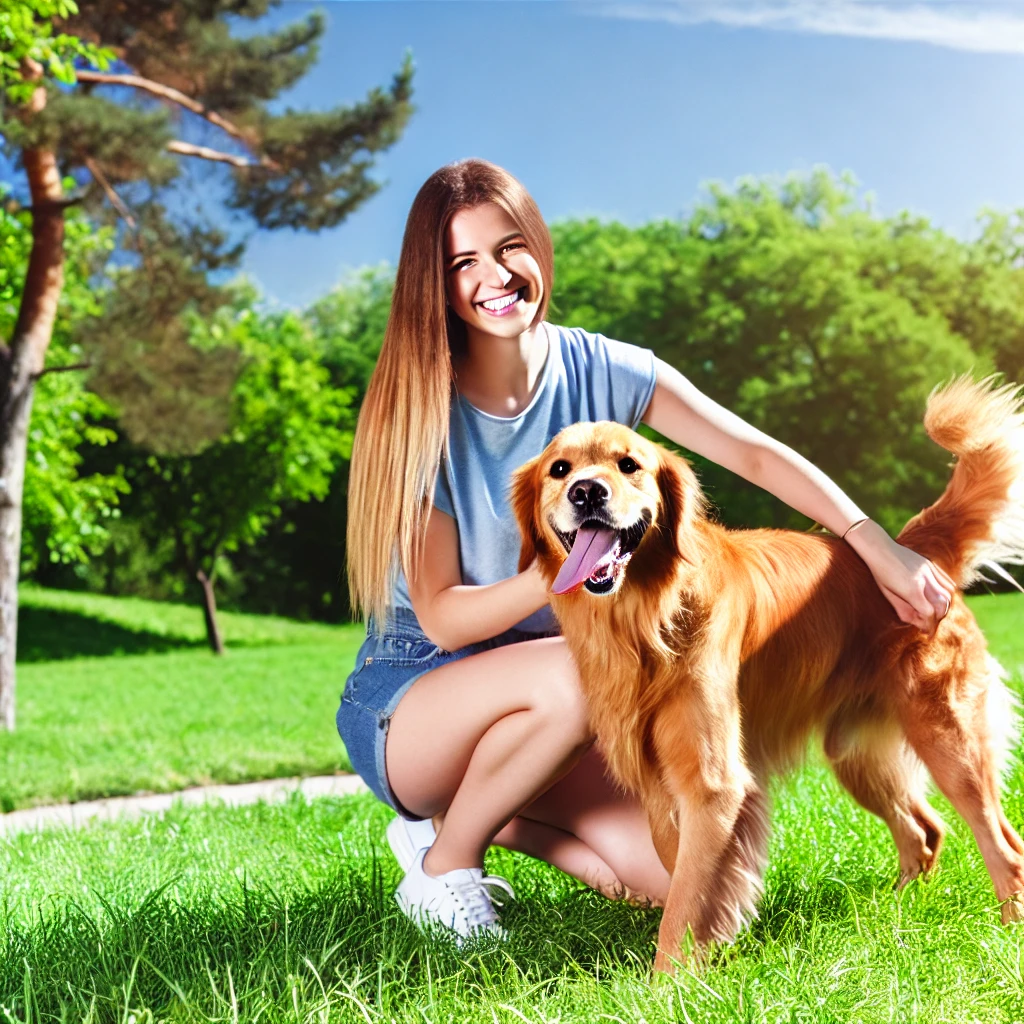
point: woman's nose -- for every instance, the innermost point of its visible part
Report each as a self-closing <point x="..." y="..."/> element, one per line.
<point x="504" y="275"/>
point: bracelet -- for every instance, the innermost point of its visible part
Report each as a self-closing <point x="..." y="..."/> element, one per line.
<point x="853" y="526"/>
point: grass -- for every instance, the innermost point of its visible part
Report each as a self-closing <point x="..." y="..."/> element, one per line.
<point x="285" y="913"/>
<point x="132" y="700"/>
<point x="57" y="624"/>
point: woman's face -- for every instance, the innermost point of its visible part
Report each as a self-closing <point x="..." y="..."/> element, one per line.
<point x="492" y="281"/>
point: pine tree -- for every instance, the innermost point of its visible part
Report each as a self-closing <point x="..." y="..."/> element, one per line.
<point x="176" y="88"/>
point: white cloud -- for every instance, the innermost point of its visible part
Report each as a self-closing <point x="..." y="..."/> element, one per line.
<point x="984" y="26"/>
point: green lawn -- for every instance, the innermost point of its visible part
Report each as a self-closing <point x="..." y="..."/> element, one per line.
<point x="119" y="695"/>
<point x="285" y="913"/>
<point x="56" y="624"/>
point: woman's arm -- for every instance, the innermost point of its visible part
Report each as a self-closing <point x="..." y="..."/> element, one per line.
<point x="919" y="590"/>
<point x="453" y="614"/>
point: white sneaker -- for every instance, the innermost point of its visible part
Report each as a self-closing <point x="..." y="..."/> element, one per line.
<point x="405" y="837"/>
<point x="458" y="900"/>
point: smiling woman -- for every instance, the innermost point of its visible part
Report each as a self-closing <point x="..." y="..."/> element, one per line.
<point x="465" y="705"/>
<point x="464" y="702"/>
<point x="495" y="288"/>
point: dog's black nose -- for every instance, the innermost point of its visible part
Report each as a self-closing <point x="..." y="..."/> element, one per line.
<point x="588" y="495"/>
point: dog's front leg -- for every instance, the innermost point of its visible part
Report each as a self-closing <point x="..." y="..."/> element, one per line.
<point x="716" y="877"/>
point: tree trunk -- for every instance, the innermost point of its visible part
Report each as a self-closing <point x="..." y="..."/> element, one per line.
<point x="210" y="613"/>
<point x="15" y="414"/>
<point x="20" y="364"/>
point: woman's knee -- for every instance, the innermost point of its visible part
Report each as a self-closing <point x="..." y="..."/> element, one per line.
<point x="557" y="692"/>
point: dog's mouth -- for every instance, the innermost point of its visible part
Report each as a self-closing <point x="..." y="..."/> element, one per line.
<point x="598" y="554"/>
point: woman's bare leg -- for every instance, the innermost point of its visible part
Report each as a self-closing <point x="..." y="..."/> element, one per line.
<point x="591" y="810"/>
<point x="487" y="736"/>
<point x="481" y="737"/>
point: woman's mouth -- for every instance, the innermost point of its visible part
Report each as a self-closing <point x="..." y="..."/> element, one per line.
<point x="503" y="305"/>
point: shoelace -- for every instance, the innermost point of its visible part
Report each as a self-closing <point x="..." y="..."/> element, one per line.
<point x="499" y="882"/>
<point x="473" y="896"/>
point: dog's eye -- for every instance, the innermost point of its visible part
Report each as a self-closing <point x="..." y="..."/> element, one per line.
<point x="627" y="465"/>
<point x="560" y="468"/>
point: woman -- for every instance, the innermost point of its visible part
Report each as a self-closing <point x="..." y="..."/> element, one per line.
<point x="464" y="702"/>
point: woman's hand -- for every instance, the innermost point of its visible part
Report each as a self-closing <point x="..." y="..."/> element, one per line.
<point x="919" y="590"/>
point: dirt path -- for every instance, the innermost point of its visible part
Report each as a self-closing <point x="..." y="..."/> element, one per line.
<point x="269" y="790"/>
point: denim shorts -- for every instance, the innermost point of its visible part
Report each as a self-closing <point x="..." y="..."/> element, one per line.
<point x="386" y="666"/>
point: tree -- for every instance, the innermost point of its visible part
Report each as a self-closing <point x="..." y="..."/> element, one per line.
<point x="798" y="309"/>
<point x="288" y="430"/>
<point x="66" y="512"/>
<point x="173" y="65"/>
<point x="296" y="566"/>
<point x="28" y="44"/>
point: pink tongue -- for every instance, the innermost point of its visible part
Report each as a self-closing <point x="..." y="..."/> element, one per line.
<point x="591" y="547"/>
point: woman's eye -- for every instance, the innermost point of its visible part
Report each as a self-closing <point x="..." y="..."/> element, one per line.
<point x="560" y="468"/>
<point x="512" y="245"/>
<point x="462" y="265"/>
<point x="627" y="465"/>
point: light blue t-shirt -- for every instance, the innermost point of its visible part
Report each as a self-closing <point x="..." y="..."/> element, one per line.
<point x="586" y="377"/>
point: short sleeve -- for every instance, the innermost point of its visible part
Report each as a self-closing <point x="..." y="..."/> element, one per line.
<point x="443" y="492"/>
<point x="632" y="375"/>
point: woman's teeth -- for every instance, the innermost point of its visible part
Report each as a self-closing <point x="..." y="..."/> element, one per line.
<point x="500" y="305"/>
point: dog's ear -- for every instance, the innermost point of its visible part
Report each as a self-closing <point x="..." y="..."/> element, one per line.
<point x="682" y="502"/>
<point x="523" y="499"/>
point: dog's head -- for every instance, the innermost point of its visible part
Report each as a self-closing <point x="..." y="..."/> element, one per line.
<point x="599" y="495"/>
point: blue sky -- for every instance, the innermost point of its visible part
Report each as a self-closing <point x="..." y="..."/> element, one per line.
<point x="625" y="110"/>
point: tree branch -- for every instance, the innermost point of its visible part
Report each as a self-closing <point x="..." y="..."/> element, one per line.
<point x="167" y="93"/>
<point x="48" y="206"/>
<point x="115" y="200"/>
<point x="60" y="369"/>
<point x="174" y="96"/>
<point x="205" y="153"/>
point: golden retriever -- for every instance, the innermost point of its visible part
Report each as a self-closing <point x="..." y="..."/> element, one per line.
<point x="709" y="655"/>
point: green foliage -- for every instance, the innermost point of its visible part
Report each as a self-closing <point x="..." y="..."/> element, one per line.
<point x="297" y="566"/>
<point x="171" y="395"/>
<point x="289" y="429"/>
<point x="325" y="176"/>
<point x="819" y="323"/>
<point x="990" y="306"/>
<point x="66" y="513"/>
<point x="348" y="324"/>
<point x="26" y="35"/>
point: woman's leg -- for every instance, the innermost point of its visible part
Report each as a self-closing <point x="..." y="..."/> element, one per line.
<point x="585" y="816"/>
<point x="480" y="738"/>
<point x="484" y="737"/>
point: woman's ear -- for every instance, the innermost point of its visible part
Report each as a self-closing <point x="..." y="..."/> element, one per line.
<point x="523" y="498"/>
<point x="681" y="503"/>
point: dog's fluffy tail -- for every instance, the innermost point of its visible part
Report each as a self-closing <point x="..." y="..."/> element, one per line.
<point x="980" y="516"/>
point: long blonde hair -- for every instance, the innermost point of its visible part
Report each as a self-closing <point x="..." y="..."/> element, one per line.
<point x="402" y="432"/>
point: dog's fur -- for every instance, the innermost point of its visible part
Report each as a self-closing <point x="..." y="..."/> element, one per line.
<point x="718" y="652"/>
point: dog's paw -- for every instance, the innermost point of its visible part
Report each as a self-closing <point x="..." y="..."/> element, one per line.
<point x="688" y="956"/>
<point x="914" y="870"/>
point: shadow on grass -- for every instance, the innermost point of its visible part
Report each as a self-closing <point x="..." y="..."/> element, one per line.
<point x="51" y="634"/>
